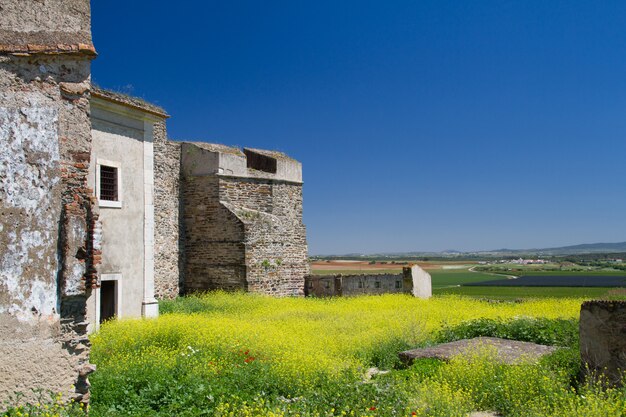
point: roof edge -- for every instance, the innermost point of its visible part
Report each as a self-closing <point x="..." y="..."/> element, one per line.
<point x="129" y="101"/>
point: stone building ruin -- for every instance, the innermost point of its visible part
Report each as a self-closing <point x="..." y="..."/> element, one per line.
<point x="101" y="214"/>
<point x="413" y="280"/>
<point x="242" y="220"/>
<point x="227" y="218"/>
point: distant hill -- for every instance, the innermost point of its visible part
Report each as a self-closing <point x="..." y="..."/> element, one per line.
<point x="585" y="248"/>
<point x="572" y="250"/>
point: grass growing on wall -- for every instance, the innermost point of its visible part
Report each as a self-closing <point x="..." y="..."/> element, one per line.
<point x="239" y="354"/>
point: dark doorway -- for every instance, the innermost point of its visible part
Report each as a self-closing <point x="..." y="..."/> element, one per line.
<point x="107" y="300"/>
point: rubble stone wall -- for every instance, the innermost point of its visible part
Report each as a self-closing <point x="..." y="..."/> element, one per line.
<point x="47" y="256"/>
<point x="275" y="236"/>
<point x="168" y="239"/>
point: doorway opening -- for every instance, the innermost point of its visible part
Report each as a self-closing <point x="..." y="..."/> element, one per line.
<point x="108" y="300"/>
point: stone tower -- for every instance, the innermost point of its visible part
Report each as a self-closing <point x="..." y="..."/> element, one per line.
<point x="228" y="218"/>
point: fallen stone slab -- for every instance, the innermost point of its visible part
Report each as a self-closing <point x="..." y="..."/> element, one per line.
<point x="508" y="351"/>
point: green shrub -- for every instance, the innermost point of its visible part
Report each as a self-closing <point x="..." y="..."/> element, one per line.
<point x="555" y="332"/>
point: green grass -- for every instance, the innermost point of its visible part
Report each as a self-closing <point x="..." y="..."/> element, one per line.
<point x="442" y="278"/>
<point x="576" y="273"/>
<point x="560" y="273"/>
<point x="511" y="293"/>
<point x="451" y="281"/>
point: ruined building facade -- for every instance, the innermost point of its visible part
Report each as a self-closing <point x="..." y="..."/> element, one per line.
<point x="229" y="219"/>
<point x="101" y="215"/>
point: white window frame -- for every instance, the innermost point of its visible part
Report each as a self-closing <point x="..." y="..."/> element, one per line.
<point x="120" y="189"/>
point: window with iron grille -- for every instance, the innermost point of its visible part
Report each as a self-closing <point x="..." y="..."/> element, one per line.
<point x="398" y="284"/>
<point x="108" y="183"/>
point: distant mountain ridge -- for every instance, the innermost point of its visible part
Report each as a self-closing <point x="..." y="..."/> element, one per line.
<point x="574" y="249"/>
<point x="584" y="248"/>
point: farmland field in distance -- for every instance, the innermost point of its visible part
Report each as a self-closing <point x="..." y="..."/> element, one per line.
<point x="453" y="277"/>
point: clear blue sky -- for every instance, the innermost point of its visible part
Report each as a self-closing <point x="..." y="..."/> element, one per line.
<point x="421" y="125"/>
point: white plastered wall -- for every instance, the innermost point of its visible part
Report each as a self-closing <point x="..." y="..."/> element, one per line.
<point x="123" y="138"/>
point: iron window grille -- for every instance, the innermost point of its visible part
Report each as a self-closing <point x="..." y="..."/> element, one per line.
<point x="108" y="183"/>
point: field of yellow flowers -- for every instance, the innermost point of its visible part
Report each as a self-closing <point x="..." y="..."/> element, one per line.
<point x="224" y="354"/>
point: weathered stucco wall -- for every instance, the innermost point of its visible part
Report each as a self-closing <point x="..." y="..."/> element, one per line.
<point x="46" y="239"/>
<point x="168" y="251"/>
<point x="119" y="140"/>
<point x="44" y="24"/>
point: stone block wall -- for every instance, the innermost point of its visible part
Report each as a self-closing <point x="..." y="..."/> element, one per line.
<point x="168" y="240"/>
<point x="603" y="340"/>
<point x="214" y="239"/>
<point x="48" y="257"/>
<point x="275" y="236"/>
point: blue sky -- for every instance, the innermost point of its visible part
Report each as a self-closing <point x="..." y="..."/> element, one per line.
<point x="421" y="125"/>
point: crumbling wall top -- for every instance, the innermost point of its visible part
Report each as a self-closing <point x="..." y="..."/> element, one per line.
<point x="200" y="159"/>
<point x="271" y="154"/>
<point x="218" y="148"/>
<point x="45" y="26"/>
